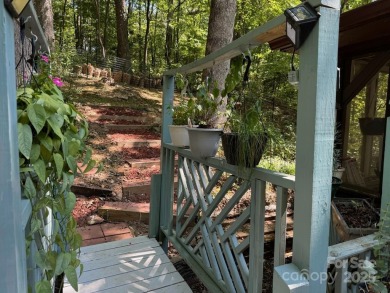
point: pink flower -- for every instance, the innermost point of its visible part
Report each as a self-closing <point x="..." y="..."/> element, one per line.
<point x="57" y="81"/>
<point x="44" y="58"/>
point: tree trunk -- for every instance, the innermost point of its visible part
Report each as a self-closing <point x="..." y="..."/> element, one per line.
<point x="149" y="10"/>
<point x="106" y="19"/>
<point x="98" y="31"/>
<point x="169" y="36"/>
<point x="61" y="41"/>
<point x="122" y="29"/>
<point x="220" y="33"/>
<point x="45" y="13"/>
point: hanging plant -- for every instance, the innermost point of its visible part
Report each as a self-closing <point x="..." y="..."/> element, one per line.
<point x="51" y="136"/>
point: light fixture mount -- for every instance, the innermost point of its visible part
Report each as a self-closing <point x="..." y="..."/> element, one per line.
<point x="16" y="7"/>
<point x="300" y="20"/>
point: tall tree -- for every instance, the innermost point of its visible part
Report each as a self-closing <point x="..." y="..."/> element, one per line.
<point x="98" y="30"/>
<point x="149" y="11"/>
<point x="45" y="12"/>
<point x="122" y="30"/>
<point x="169" y="35"/>
<point x="220" y="33"/>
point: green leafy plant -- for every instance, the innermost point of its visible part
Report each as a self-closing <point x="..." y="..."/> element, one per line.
<point x="206" y="106"/>
<point x="52" y="152"/>
<point x="244" y="118"/>
<point x="183" y="111"/>
<point x="379" y="272"/>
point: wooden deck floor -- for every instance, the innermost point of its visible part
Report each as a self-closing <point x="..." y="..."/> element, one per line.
<point x="129" y="265"/>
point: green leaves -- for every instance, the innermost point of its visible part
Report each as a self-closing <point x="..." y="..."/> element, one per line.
<point x="62" y="263"/>
<point x="59" y="162"/>
<point x="56" y="121"/>
<point x="40" y="169"/>
<point x="70" y="273"/>
<point x="70" y="201"/>
<point x="25" y="139"/>
<point x="29" y="188"/>
<point x="51" y="141"/>
<point x="37" y="115"/>
<point x="43" y="287"/>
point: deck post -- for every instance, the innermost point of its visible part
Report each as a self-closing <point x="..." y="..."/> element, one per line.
<point x="13" y="276"/>
<point x="155" y="206"/>
<point x="315" y="136"/>
<point x="385" y="201"/>
<point x="167" y="161"/>
<point x="168" y="95"/>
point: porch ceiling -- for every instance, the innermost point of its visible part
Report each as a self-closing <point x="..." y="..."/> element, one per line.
<point x="362" y="30"/>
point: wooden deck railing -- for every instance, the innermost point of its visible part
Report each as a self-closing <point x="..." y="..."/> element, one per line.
<point x="217" y="256"/>
<point x="346" y="261"/>
<point x="229" y="256"/>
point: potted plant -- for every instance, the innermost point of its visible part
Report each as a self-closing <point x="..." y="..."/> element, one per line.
<point x="180" y="116"/>
<point x="338" y="170"/>
<point x="244" y="137"/>
<point x="204" y="139"/>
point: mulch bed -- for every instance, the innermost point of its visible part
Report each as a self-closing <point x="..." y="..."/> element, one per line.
<point x="357" y="214"/>
<point x="140" y="153"/>
<point x="141" y="174"/>
<point x="86" y="207"/>
<point x="117" y="111"/>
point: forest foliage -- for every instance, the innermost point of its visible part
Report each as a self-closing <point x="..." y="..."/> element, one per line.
<point x="163" y="34"/>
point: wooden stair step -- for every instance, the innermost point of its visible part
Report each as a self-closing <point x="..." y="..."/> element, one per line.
<point x="141" y="119"/>
<point x="120" y="127"/>
<point x="139" y="143"/>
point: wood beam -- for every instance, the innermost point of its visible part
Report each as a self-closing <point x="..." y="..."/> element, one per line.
<point x="263" y="34"/>
<point x="365" y="75"/>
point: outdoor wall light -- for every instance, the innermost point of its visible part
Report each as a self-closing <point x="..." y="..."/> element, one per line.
<point x="16" y="7"/>
<point x="300" y="20"/>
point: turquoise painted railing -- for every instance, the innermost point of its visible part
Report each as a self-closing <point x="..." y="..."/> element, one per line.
<point x="226" y="255"/>
<point x="217" y="257"/>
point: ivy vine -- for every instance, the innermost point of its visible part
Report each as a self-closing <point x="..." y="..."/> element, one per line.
<point x="52" y="151"/>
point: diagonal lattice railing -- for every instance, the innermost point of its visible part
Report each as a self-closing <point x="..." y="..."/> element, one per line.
<point x="220" y="218"/>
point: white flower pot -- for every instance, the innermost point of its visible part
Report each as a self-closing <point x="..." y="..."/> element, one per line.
<point x="179" y="135"/>
<point x="204" y="142"/>
<point x="338" y="173"/>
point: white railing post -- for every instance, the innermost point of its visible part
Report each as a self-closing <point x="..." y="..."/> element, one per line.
<point x="13" y="272"/>
<point x="315" y="135"/>
<point x="167" y="160"/>
<point x="168" y="95"/>
<point x="256" y="253"/>
<point x="280" y="226"/>
<point x="155" y="206"/>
